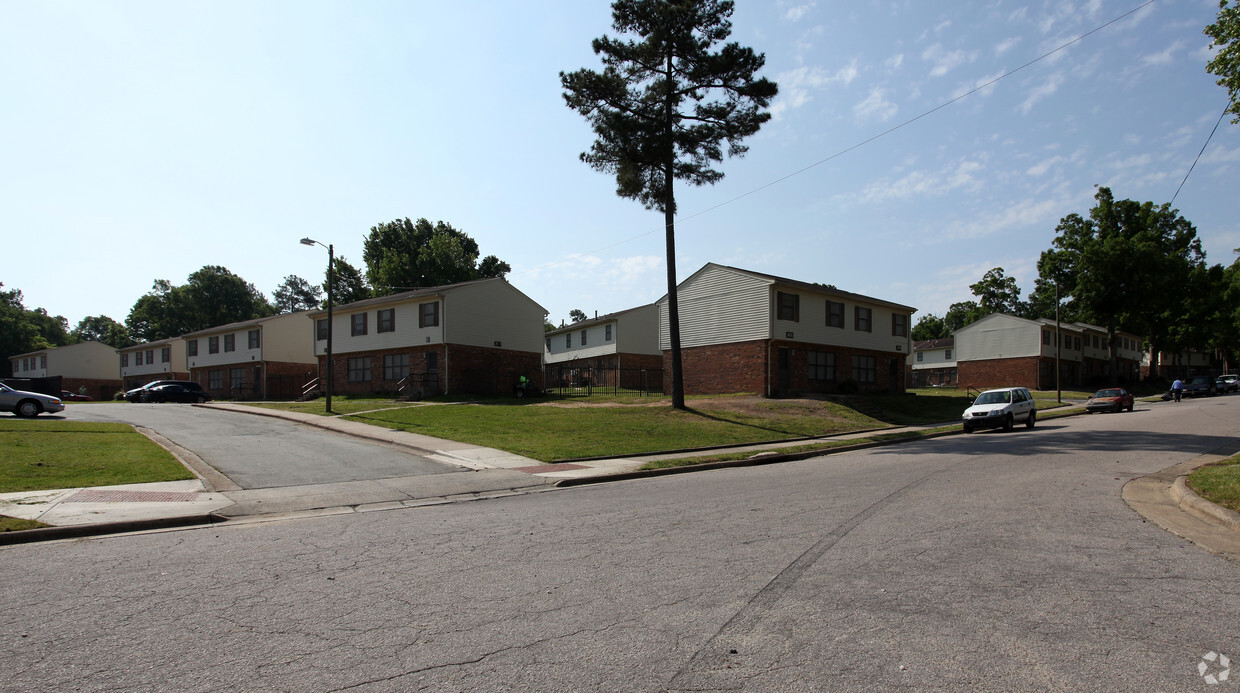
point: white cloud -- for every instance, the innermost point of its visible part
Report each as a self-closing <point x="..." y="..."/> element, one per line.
<point x="795" y="85"/>
<point x="1040" y="168"/>
<point x="923" y="183"/>
<point x="1164" y="57"/>
<point x="988" y="81"/>
<point x="1006" y="45"/>
<point x="1050" y="86"/>
<point x="794" y="14"/>
<point x="875" y="107"/>
<point x="894" y="62"/>
<point x="944" y="61"/>
<point x="1023" y="213"/>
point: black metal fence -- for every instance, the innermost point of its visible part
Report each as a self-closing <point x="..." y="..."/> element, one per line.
<point x="567" y="380"/>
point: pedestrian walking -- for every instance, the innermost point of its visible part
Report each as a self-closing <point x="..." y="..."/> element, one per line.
<point x="1177" y="389"/>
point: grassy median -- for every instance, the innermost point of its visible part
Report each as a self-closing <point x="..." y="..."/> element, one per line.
<point x="1219" y="483"/>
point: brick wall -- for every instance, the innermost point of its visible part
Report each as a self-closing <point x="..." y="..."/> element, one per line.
<point x="458" y="369"/>
<point x="101" y="390"/>
<point x="990" y="373"/>
<point x="489" y="371"/>
<point x="745" y="366"/>
<point x="424" y="382"/>
<point x="720" y="368"/>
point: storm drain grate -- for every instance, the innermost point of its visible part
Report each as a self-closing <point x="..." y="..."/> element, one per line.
<point x="111" y="496"/>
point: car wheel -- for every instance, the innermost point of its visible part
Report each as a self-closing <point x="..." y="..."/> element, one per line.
<point x="1033" y="417"/>
<point x="1009" y="423"/>
<point x="202" y="400"/>
<point x="28" y="409"/>
<point x="968" y="428"/>
<point x="1130" y="406"/>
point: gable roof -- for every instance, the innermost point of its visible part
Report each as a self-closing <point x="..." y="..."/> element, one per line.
<point x="805" y="286"/>
<point x="943" y="343"/>
<point x="415" y="294"/>
<point x="244" y="323"/>
<point x="596" y="321"/>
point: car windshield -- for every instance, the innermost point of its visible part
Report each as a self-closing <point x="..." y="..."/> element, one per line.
<point x="1004" y="397"/>
<point x="1107" y="393"/>
<point x="6" y="388"/>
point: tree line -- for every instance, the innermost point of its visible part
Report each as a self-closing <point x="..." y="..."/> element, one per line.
<point x="1127" y="266"/>
<point x="398" y="255"/>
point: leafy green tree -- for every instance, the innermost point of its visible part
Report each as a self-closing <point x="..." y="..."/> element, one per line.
<point x="1126" y="266"/>
<point x="998" y="293"/>
<point x="930" y="327"/>
<point x="295" y="294"/>
<point x="662" y="108"/>
<point x="348" y="284"/>
<point x="960" y="314"/>
<point x="211" y="297"/>
<point x="576" y="315"/>
<point x="102" y="329"/>
<point x="23" y="330"/>
<point x="1225" y="35"/>
<point x="402" y="255"/>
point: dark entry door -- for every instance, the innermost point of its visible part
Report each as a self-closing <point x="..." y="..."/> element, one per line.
<point x="893" y="375"/>
<point x="785" y="369"/>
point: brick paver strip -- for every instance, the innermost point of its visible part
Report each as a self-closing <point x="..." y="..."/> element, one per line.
<point x="544" y="468"/>
<point x="91" y="495"/>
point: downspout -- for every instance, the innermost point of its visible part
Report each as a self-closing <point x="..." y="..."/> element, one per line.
<point x="443" y="338"/>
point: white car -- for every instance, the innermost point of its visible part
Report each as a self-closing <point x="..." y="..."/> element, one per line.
<point x="28" y="404"/>
<point x="1001" y="408"/>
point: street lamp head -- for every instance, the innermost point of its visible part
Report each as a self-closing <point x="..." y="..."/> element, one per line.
<point x="309" y="241"/>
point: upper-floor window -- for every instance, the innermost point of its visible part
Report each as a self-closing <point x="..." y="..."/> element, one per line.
<point x="861" y="319"/>
<point x="358" y="321"/>
<point x="899" y="325"/>
<point x="583" y="338"/>
<point x="386" y="321"/>
<point x="213" y="345"/>
<point x="150" y="356"/>
<point x="568" y="340"/>
<point x="137" y="358"/>
<point x="191" y="347"/>
<point x="921" y="356"/>
<point x="230" y="342"/>
<point x="253" y="339"/>
<point x="320" y="328"/>
<point x="835" y="314"/>
<point x="1046" y="337"/>
<point x="428" y="314"/>
<point x="607" y="333"/>
<point x="947" y="354"/>
<point x="43" y="361"/>
<point x="165" y="355"/>
<point x="124" y="360"/>
<point x="788" y="306"/>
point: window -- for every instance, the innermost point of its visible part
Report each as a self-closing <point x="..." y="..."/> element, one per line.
<point x="861" y="319"/>
<point x="395" y="366"/>
<point x="432" y="362"/>
<point x="386" y="321"/>
<point x="835" y="314"/>
<point x="607" y="333"/>
<point x="124" y="360"/>
<point x="548" y="344"/>
<point x="150" y="356"/>
<point x="1095" y="341"/>
<point x="359" y="324"/>
<point x="1046" y="337"/>
<point x="920" y="356"/>
<point x="947" y="354"/>
<point x="428" y="314"/>
<point x="320" y="328"/>
<point x="568" y="340"/>
<point x="583" y="338"/>
<point x="230" y="342"/>
<point x="213" y="345"/>
<point x="899" y="325"/>
<point x="191" y="347"/>
<point x="165" y="355"/>
<point x="215" y="379"/>
<point x="137" y="358"/>
<point x="253" y="339"/>
<point x="821" y="365"/>
<point x="236" y="378"/>
<point x="359" y="369"/>
<point x="43" y="361"/>
<point x="788" y="306"/>
<point x="864" y="369"/>
<point x="1076" y="343"/>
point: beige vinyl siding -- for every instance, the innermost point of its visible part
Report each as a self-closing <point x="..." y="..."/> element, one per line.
<point x="719" y="306"/>
<point x="483" y="313"/>
<point x="933" y="358"/>
<point x="637" y="331"/>
<point x="407" y="332"/>
<point x="812" y="326"/>
<point x="999" y="336"/>
<point x="282" y="338"/>
<point x="595" y="343"/>
<point x="176" y="358"/>
<point x="92" y="360"/>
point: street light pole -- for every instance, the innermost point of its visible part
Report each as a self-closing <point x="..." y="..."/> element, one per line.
<point x="331" y="259"/>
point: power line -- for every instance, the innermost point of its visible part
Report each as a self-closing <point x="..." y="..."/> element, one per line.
<point x="858" y="145"/>
<point x="1203" y="149"/>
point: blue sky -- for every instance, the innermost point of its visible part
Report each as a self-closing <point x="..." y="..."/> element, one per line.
<point x="144" y="140"/>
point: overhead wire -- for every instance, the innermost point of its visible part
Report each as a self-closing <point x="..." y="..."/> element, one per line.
<point x="858" y="145"/>
<point x="1203" y="149"/>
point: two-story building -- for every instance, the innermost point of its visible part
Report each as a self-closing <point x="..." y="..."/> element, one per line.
<point x="933" y="363"/>
<point x="745" y="331"/>
<point x="89" y="365"/>
<point x="263" y="358"/>
<point x="159" y="360"/>
<point x="474" y="337"/>
<point x="1003" y="350"/>
<point x="1096" y="356"/>
<point x="617" y="349"/>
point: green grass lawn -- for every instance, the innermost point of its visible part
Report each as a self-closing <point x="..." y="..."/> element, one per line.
<point x="1219" y="483"/>
<point x="45" y="454"/>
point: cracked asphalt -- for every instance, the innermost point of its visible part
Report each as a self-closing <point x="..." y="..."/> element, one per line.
<point x="997" y="561"/>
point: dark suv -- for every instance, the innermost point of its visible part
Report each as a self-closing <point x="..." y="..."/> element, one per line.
<point x="1200" y="386"/>
<point x="187" y="391"/>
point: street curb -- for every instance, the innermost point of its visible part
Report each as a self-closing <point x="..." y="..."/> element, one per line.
<point x="1202" y="508"/>
<point x="278" y="414"/>
<point x="80" y="531"/>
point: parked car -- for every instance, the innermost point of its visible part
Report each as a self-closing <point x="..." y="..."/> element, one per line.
<point x="1001" y="408"/>
<point x="75" y="397"/>
<point x="176" y="392"/>
<point x="1228" y="383"/>
<point x="141" y="394"/>
<point x="1114" y="399"/>
<point x="28" y="404"/>
<point x="1199" y="386"/>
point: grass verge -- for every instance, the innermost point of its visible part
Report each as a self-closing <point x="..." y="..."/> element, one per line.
<point x="14" y="524"/>
<point x="1219" y="483"/>
<point x="45" y="454"/>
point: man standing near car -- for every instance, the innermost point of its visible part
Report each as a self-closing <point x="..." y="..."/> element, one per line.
<point x="1177" y="389"/>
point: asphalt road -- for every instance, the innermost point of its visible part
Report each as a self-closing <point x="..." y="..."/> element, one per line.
<point x="259" y="452"/>
<point x="997" y="561"/>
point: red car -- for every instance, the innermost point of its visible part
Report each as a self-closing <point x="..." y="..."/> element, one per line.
<point x="67" y="396"/>
<point x="1114" y="399"/>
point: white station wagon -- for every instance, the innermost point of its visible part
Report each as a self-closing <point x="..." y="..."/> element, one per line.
<point x="1001" y="408"/>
